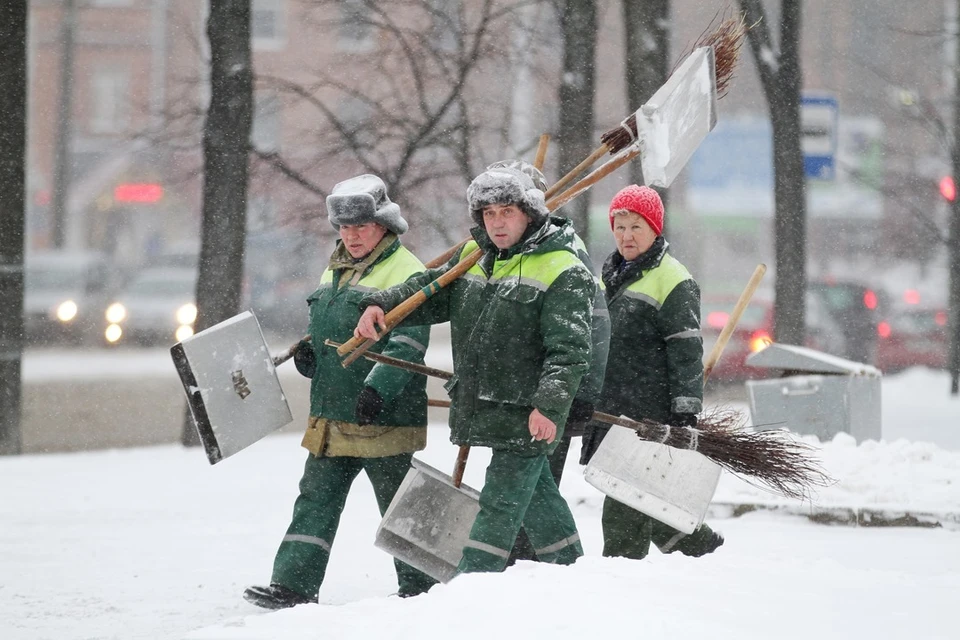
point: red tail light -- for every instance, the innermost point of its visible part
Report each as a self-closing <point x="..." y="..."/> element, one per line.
<point x="941" y="318"/>
<point x="883" y="329"/>
<point x="870" y="299"/>
<point x="760" y="340"/>
<point x="911" y="296"/>
<point x="717" y="319"/>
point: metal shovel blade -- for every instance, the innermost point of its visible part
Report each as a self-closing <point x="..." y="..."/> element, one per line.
<point x="231" y="384"/>
<point x="671" y="125"/>
<point x="672" y="485"/>
<point x="428" y="522"/>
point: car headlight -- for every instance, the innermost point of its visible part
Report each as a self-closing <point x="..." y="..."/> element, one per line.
<point x="113" y="333"/>
<point x="187" y="313"/>
<point x="116" y="313"/>
<point x="67" y="311"/>
<point x="184" y="332"/>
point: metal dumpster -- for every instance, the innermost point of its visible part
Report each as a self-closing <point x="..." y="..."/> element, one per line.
<point x="817" y="394"/>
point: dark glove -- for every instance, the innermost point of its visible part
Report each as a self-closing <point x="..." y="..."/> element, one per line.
<point x="682" y="420"/>
<point x="580" y="412"/>
<point x="305" y="359"/>
<point x="369" y="405"/>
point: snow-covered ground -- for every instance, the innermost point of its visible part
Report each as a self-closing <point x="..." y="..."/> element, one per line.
<point x="155" y="543"/>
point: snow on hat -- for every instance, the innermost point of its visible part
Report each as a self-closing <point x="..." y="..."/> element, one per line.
<point x="506" y="185"/>
<point x="643" y="201"/>
<point x="361" y="200"/>
<point x="539" y="181"/>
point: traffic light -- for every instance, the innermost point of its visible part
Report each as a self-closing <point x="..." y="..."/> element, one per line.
<point x="948" y="189"/>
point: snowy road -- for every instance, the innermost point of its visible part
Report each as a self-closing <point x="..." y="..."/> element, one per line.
<point x="153" y="543"/>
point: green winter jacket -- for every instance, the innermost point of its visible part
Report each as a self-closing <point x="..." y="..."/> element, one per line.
<point x="520" y="326"/>
<point x="655" y="366"/>
<point x="334" y="313"/>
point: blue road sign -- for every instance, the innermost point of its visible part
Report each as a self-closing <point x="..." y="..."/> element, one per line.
<point x="818" y="123"/>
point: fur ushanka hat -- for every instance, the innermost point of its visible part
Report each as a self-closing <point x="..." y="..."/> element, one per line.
<point x="506" y="185"/>
<point x="364" y="199"/>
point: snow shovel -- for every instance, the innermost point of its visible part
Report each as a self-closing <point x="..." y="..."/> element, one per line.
<point x="672" y="485"/>
<point x="409" y="530"/>
<point x="231" y="385"/>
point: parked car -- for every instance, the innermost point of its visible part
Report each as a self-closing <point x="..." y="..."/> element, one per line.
<point x="754" y="331"/>
<point x="913" y="336"/>
<point x="856" y="309"/>
<point x="156" y="307"/>
<point x="64" y="295"/>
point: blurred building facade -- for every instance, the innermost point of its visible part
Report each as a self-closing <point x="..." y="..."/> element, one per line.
<point x="139" y="70"/>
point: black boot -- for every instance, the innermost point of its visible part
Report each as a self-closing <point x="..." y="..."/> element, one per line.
<point x="276" y="596"/>
<point x="707" y="546"/>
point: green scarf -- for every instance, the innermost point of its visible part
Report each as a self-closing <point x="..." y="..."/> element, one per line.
<point x="354" y="268"/>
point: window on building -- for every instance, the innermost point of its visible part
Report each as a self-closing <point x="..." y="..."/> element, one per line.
<point x="445" y="24"/>
<point x="356" y="30"/>
<point x="266" y="131"/>
<point x="110" y="100"/>
<point x="267" y="24"/>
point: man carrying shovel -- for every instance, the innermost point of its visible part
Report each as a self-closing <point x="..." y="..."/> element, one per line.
<point x="520" y="325"/>
<point x="655" y="367"/>
<point x="366" y="418"/>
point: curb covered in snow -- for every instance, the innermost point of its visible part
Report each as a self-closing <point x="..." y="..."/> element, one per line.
<point x="849" y="516"/>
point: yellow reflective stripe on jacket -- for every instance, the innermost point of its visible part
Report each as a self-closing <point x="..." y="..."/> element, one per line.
<point x="396" y="268"/>
<point x="537" y="270"/>
<point x="656" y="284"/>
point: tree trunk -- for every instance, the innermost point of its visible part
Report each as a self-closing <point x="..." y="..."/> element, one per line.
<point x="953" y="240"/>
<point x="646" y="26"/>
<point x="62" y="158"/>
<point x="578" y="85"/>
<point x="13" y="138"/>
<point x="781" y="79"/>
<point x="226" y="136"/>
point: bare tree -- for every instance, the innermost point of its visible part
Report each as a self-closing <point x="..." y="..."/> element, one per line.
<point x="426" y="113"/>
<point x="953" y="241"/>
<point x="781" y="77"/>
<point x="13" y="137"/>
<point x="646" y="25"/>
<point x="226" y="137"/>
<point x="578" y="21"/>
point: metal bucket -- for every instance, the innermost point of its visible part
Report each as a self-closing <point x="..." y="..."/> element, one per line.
<point x="674" y="486"/>
<point x="428" y="522"/>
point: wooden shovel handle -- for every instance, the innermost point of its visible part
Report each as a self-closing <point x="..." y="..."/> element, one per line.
<point x="441" y="259"/>
<point x="402" y="364"/>
<point x="541" y="150"/>
<point x="461" y="465"/>
<point x="734" y="318"/>
<point x="599" y="416"/>
<point x="287" y="353"/>
<point x="577" y="170"/>
<point x="396" y="315"/>
<point x="593" y="177"/>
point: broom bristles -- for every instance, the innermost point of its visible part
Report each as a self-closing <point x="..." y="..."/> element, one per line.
<point x="726" y="41"/>
<point x="773" y="458"/>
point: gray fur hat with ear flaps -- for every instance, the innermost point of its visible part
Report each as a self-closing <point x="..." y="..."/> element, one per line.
<point x="506" y="185"/>
<point x="539" y="181"/>
<point x="361" y="200"/>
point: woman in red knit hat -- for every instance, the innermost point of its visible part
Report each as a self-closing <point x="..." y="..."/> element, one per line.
<point x="655" y="366"/>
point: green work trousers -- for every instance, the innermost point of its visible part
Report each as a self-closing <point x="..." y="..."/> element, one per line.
<point x="520" y="490"/>
<point x="627" y="533"/>
<point x="301" y="560"/>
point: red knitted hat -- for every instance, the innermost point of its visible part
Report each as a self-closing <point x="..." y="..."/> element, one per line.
<point x="643" y="201"/>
